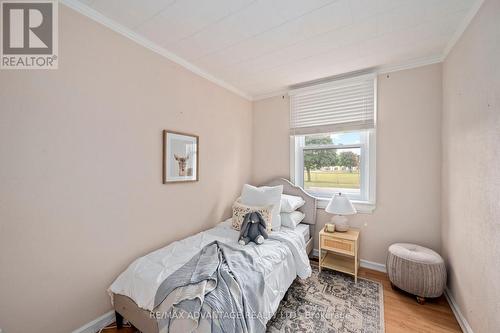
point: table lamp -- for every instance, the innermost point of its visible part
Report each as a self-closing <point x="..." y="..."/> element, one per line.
<point x="340" y="206"/>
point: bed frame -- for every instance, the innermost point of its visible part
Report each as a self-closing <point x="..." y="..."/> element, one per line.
<point x="126" y="308"/>
<point x="309" y="208"/>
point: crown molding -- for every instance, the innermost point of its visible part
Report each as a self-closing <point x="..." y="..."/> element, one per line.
<point x="462" y="27"/>
<point x="126" y="32"/>
<point x="414" y="63"/>
<point x="273" y="93"/>
<point x="434" y="59"/>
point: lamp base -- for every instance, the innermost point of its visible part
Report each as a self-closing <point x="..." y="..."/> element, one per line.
<point x="341" y="223"/>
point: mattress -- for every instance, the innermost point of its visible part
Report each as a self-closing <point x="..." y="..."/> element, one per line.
<point x="304" y="230"/>
<point x="282" y="259"/>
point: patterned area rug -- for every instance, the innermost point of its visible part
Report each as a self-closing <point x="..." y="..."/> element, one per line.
<point x="330" y="302"/>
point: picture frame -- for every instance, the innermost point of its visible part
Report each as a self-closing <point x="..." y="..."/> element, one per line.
<point x="180" y="157"/>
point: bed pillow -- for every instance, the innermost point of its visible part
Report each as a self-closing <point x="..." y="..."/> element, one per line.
<point x="240" y="210"/>
<point x="264" y="196"/>
<point x="290" y="203"/>
<point x="291" y="220"/>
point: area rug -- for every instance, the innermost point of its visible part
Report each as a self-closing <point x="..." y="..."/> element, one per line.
<point x="330" y="302"/>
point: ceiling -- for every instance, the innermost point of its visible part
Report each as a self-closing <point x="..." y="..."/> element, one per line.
<point x="258" y="47"/>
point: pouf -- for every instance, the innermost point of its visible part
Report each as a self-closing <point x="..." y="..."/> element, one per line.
<point x="416" y="270"/>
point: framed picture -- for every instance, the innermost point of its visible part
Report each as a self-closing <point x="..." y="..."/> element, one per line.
<point x="180" y="157"/>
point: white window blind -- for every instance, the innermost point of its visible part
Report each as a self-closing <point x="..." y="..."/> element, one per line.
<point x="342" y="105"/>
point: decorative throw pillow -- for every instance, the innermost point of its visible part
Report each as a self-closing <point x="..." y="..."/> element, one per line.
<point x="290" y="203"/>
<point x="240" y="210"/>
<point x="264" y="196"/>
<point x="291" y="220"/>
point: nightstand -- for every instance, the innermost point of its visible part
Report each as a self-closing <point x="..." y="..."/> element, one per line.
<point x="339" y="251"/>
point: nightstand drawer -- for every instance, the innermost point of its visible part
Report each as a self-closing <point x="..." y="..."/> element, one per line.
<point x="339" y="245"/>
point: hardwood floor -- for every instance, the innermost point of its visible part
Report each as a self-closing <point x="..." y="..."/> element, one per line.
<point x="402" y="312"/>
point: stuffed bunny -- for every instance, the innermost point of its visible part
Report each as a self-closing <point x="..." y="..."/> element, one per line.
<point x="253" y="229"/>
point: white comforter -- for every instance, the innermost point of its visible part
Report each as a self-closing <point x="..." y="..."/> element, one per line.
<point x="281" y="261"/>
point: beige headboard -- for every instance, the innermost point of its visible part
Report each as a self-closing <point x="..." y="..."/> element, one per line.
<point x="309" y="209"/>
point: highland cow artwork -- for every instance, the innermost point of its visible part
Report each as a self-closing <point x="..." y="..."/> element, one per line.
<point x="180" y="157"/>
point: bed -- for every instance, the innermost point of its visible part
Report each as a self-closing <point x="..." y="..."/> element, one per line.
<point x="133" y="291"/>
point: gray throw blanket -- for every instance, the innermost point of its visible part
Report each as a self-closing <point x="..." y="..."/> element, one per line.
<point x="220" y="284"/>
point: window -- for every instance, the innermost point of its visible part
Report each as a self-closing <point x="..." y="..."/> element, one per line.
<point x="335" y="162"/>
<point x="333" y="139"/>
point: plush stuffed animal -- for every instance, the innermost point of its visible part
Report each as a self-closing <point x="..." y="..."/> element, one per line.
<point x="253" y="229"/>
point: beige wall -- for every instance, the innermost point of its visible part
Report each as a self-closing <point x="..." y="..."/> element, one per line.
<point x="408" y="160"/>
<point x="271" y="140"/>
<point x="471" y="170"/>
<point x="80" y="172"/>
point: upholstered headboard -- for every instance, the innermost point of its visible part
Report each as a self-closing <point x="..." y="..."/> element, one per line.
<point x="309" y="209"/>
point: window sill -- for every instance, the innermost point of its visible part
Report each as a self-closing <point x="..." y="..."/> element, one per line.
<point x="363" y="207"/>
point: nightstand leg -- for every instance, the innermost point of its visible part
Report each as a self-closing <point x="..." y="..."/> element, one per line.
<point x="319" y="260"/>
<point x="356" y="267"/>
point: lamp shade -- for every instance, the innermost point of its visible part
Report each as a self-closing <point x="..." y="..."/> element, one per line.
<point x="340" y="205"/>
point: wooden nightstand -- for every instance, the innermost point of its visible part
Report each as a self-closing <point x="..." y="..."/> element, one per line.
<point x="339" y="251"/>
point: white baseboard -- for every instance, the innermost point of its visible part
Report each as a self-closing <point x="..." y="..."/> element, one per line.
<point x="373" y="265"/>
<point x="96" y="324"/>
<point x="363" y="263"/>
<point x="109" y="317"/>
<point x="464" y="325"/>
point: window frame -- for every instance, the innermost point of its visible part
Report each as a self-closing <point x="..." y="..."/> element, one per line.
<point x="365" y="201"/>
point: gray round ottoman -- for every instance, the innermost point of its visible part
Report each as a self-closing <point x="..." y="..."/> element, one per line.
<point x="416" y="270"/>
